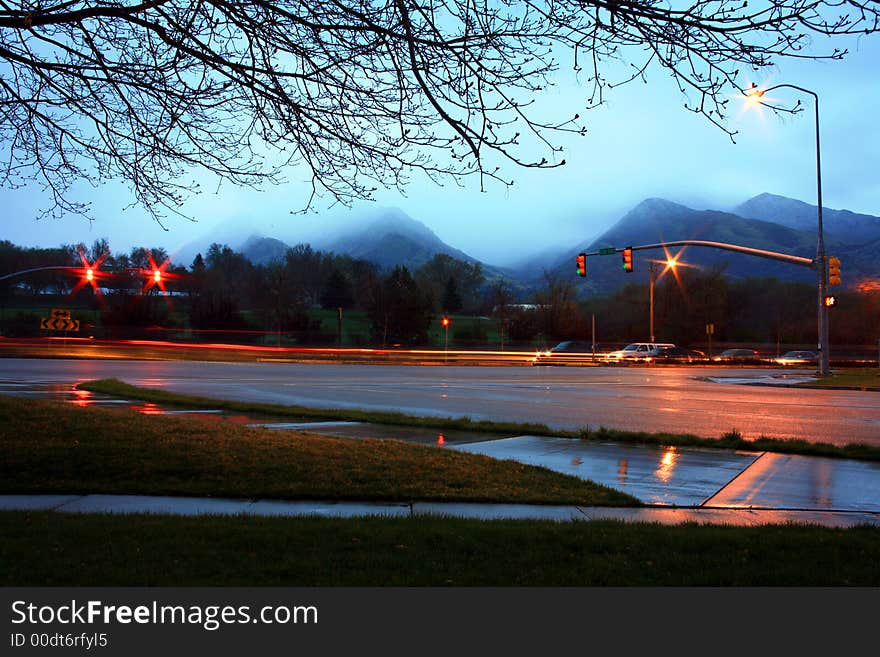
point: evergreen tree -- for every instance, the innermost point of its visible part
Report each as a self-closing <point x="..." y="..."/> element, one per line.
<point x="451" y="297"/>
<point x="399" y="311"/>
<point x="337" y="291"/>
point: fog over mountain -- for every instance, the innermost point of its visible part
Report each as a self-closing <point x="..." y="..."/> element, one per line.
<point x="388" y="236"/>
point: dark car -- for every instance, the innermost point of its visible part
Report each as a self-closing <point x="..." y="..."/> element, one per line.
<point x="738" y="356"/>
<point x="569" y="352"/>
<point x="676" y="355"/>
<point x="797" y="358"/>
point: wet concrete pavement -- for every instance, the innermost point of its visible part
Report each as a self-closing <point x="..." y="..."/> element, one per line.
<point x="680" y="484"/>
<point x="670" y="399"/>
<point x="194" y="506"/>
<point x="672" y="476"/>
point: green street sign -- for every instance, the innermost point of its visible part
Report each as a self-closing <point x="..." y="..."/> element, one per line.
<point x="607" y="250"/>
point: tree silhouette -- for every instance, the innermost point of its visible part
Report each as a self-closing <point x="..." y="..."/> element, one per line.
<point x="337" y="291"/>
<point x="399" y="311"/>
<point x="451" y="301"/>
<point x="362" y="93"/>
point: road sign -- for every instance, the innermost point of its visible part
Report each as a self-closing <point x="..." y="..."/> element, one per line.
<point x="58" y="312"/>
<point x="607" y="250"/>
<point x="59" y="324"/>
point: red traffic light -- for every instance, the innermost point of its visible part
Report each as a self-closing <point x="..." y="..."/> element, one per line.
<point x="627" y="254"/>
<point x="445" y="321"/>
<point x="582" y="264"/>
<point x="830" y="301"/>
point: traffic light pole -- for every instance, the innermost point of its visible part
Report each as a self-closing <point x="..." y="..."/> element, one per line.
<point x="652" y="272"/>
<point x="818" y="264"/>
<point x="821" y="262"/>
<point x="821" y="256"/>
<point x="28" y="271"/>
<point x="760" y="253"/>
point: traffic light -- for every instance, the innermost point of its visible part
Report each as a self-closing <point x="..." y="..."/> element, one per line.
<point x="445" y="321"/>
<point x="833" y="271"/>
<point x="582" y="264"/>
<point x="157" y="276"/>
<point x="830" y="301"/>
<point x="628" y="259"/>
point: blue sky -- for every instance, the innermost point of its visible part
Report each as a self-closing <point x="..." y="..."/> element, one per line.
<point x="641" y="144"/>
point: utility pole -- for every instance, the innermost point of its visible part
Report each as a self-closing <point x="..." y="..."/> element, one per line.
<point x="339" y="326"/>
<point x="652" y="272"/>
<point x="594" y="336"/>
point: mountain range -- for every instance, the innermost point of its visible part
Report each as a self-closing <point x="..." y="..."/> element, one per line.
<point x="769" y="222"/>
<point x="776" y="224"/>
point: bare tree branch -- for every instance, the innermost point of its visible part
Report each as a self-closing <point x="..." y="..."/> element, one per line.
<point x="362" y="93"/>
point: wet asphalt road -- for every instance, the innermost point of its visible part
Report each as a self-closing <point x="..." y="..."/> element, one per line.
<point x="643" y="399"/>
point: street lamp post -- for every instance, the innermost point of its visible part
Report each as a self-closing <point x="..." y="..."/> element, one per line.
<point x="652" y="274"/>
<point x="821" y="258"/>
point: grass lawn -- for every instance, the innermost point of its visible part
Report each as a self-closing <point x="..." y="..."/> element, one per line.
<point x="55" y="447"/>
<point x="57" y="549"/>
<point x="863" y="377"/>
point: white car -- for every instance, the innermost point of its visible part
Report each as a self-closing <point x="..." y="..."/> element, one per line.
<point x="636" y="351"/>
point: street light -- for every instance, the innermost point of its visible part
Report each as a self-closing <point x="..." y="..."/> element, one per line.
<point x="754" y="94"/>
<point x="652" y="277"/>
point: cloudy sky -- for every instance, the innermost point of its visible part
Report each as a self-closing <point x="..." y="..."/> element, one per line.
<point x="641" y="144"/>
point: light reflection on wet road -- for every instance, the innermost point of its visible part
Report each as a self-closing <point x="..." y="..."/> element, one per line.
<point x="636" y="399"/>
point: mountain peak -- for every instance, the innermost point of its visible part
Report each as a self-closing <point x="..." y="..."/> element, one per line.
<point x="657" y="204"/>
<point x="389" y="236"/>
<point x="792" y="213"/>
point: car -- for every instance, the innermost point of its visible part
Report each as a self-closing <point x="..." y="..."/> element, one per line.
<point x="738" y="356"/>
<point x="799" y="357"/>
<point x="565" y="353"/>
<point x="676" y="355"/>
<point x="637" y="351"/>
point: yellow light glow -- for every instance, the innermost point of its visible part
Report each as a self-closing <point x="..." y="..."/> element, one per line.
<point x="90" y="275"/>
<point x="754" y="95"/>
<point x="671" y="263"/>
<point x="667" y="464"/>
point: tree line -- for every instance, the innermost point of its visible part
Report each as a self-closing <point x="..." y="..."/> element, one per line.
<point x="224" y="291"/>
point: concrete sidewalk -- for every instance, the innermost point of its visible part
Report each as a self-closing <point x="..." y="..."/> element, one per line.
<point x="194" y="506"/>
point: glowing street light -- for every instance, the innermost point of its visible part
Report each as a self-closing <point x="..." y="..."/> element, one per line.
<point x="670" y="264"/>
<point x="754" y="97"/>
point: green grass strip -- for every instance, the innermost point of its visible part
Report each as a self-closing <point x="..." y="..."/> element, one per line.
<point x="865" y="378"/>
<point x="56" y="549"/>
<point x="729" y="440"/>
<point x="53" y="447"/>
